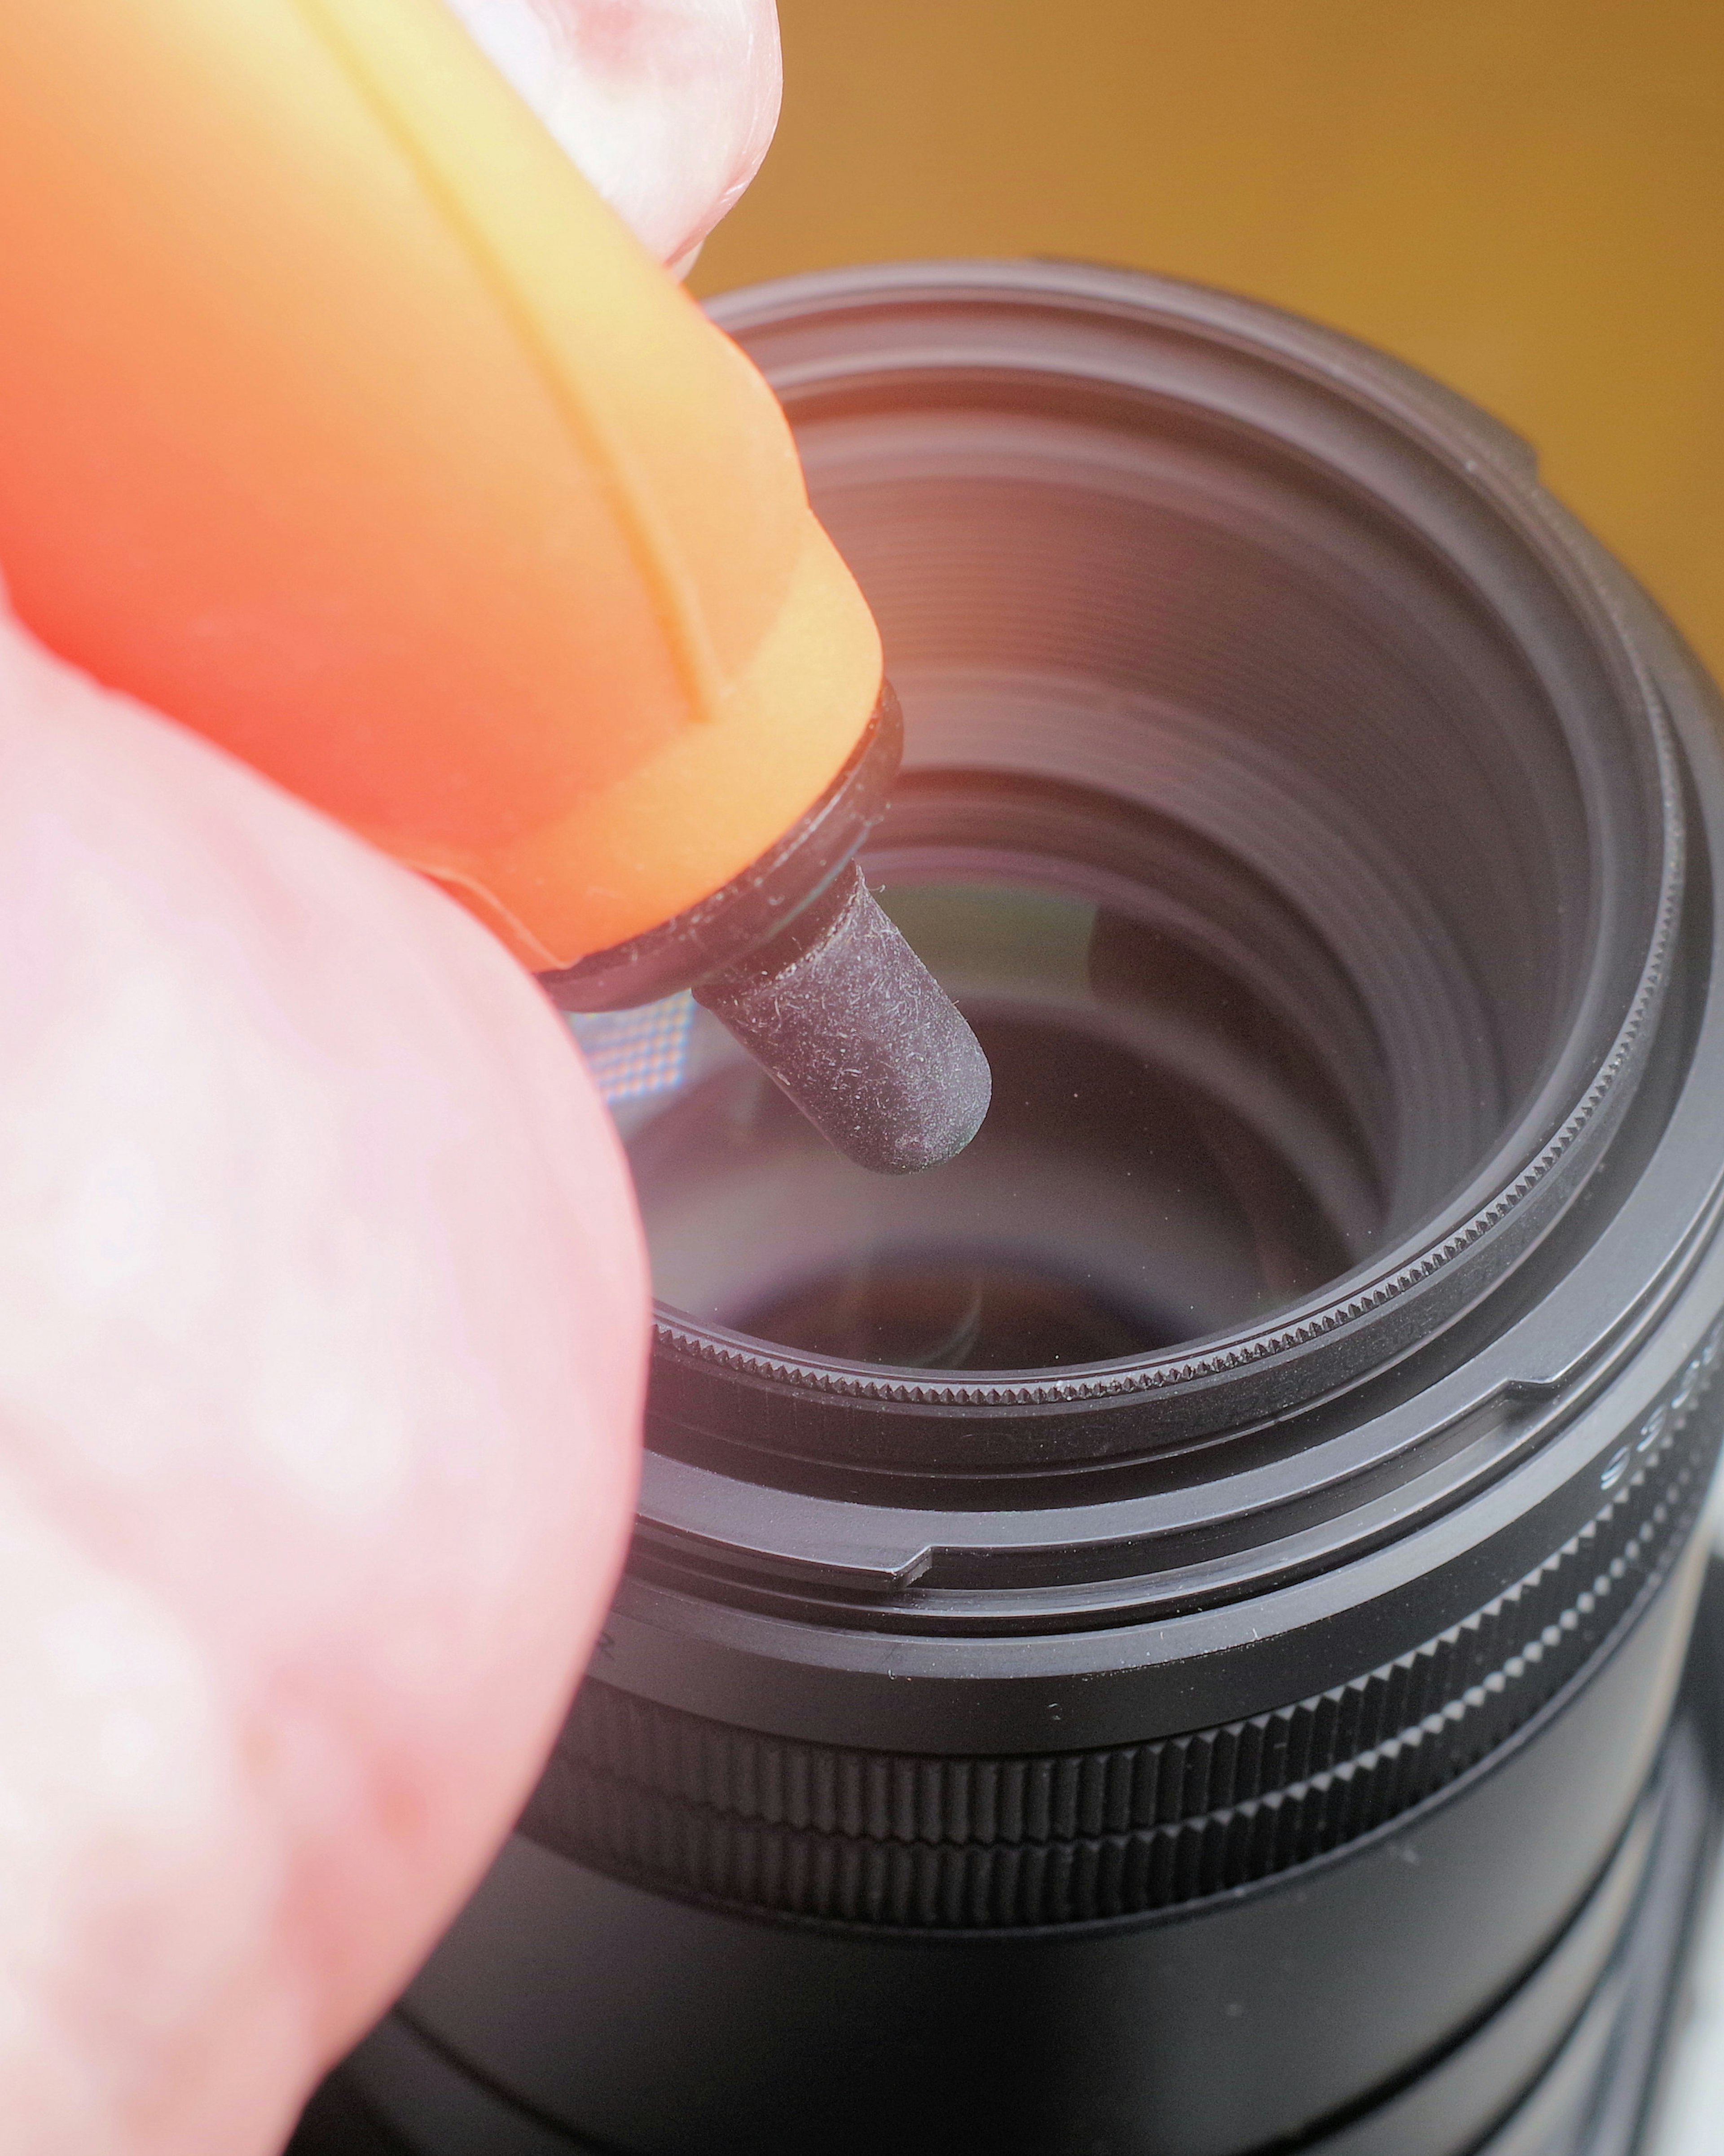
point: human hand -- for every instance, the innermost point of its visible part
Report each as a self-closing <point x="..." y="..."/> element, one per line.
<point x="322" y="1326"/>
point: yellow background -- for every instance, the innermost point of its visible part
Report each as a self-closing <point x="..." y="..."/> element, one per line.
<point x="1526" y="197"/>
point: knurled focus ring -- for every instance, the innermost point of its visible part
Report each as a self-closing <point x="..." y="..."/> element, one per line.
<point x="697" y="1808"/>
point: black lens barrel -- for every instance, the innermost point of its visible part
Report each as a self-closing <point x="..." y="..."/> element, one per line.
<point x="1251" y="1742"/>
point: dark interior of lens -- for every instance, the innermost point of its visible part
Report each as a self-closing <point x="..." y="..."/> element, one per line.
<point x="1252" y="850"/>
<point x="1174" y="1147"/>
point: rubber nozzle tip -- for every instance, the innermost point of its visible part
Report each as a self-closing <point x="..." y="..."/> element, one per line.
<point x="847" y="1021"/>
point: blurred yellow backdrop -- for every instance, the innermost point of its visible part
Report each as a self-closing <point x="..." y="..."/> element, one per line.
<point x="1526" y="197"/>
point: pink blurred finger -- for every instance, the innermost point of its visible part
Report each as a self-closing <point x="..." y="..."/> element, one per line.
<point x="667" y="106"/>
<point x="322" y="1323"/>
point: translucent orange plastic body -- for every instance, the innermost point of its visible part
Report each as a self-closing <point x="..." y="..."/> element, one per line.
<point x="341" y="420"/>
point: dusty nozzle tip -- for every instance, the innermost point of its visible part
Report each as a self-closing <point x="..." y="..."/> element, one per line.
<point x="847" y="1021"/>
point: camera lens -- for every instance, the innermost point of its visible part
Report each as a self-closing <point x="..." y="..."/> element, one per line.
<point x="1159" y="1636"/>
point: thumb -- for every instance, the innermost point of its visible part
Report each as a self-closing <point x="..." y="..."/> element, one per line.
<point x="323" y="1319"/>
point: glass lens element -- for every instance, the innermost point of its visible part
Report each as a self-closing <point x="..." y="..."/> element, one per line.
<point x="1160" y="1162"/>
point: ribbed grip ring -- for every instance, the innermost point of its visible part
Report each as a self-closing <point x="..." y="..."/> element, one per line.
<point x="693" y="1807"/>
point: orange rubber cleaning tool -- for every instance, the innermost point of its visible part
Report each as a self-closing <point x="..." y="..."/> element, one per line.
<point x="341" y="420"/>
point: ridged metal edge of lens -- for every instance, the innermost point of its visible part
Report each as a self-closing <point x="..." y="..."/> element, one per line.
<point x="689" y="1806"/>
<point x="734" y="1353"/>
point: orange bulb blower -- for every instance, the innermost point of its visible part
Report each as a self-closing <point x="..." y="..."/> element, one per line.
<point x="341" y="420"/>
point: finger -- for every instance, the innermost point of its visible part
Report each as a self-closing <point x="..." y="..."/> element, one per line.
<point x="667" y="106"/>
<point x="321" y="1331"/>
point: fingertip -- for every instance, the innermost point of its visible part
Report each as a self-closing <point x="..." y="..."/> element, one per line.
<point x="668" y="107"/>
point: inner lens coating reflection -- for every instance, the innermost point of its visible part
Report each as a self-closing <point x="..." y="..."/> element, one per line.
<point x="1158" y="1164"/>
